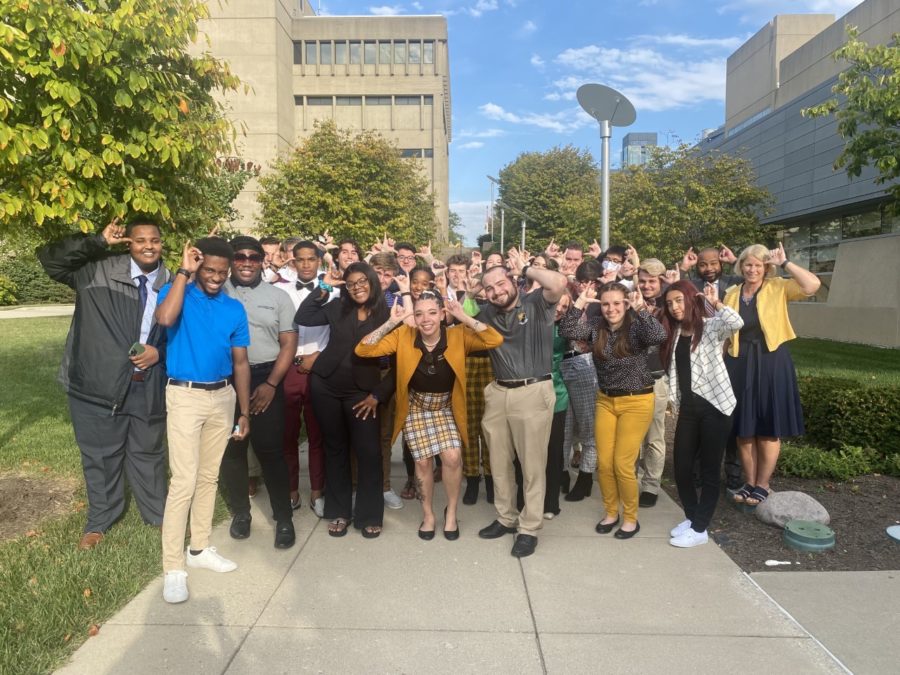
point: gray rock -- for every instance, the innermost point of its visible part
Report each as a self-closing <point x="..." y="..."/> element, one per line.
<point x="782" y="507"/>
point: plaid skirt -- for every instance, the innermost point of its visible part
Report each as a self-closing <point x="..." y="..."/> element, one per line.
<point x="430" y="428"/>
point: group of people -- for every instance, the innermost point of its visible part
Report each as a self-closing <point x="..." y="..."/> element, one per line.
<point x="511" y="369"/>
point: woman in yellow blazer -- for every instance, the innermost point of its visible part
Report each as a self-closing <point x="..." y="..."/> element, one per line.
<point x="431" y="390"/>
<point x="759" y="365"/>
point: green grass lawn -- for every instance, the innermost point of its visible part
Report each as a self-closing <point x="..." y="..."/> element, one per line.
<point x="837" y="359"/>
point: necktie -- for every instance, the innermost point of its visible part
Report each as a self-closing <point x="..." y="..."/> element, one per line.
<point x="142" y="292"/>
<point x="309" y="285"/>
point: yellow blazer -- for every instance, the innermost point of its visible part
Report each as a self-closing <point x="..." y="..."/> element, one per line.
<point x="771" y="303"/>
<point x="461" y="340"/>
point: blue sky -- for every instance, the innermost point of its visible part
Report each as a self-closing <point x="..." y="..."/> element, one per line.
<point x="516" y="64"/>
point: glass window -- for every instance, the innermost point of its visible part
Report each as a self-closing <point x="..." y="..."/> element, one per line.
<point x="311" y="53"/>
<point x="325" y="53"/>
<point x="428" y="52"/>
<point x="384" y="52"/>
<point x="298" y="100"/>
<point x="415" y="52"/>
<point x="348" y="100"/>
<point x="407" y="100"/>
<point x="428" y="152"/>
<point x="298" y="53"/>
<point x="827" y="232"/>
<point x="862" y="225"/>
<point x="429" y="100"/>
<point x="411" y="152"/>
<point x="378" y="100"/>
<point x="355" y="52"/>
<point x="371" y="52"/>
<point x="318" y="100"/>
<point x="822" y="258"/>
<point x="399" y="52"/>
<point x="340" y="53"/>
<point x="891" y="222"/>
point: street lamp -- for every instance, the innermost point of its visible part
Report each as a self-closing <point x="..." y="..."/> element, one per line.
<point x="496" y="181"/>
<point x="518" y="213"/>
<point x="609" y="108"/>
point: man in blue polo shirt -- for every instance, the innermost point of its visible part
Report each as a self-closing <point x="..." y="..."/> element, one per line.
<point x="207" y="350"/>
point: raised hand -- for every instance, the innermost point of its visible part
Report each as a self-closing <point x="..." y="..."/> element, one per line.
<point x="635" y="300"/>
<point x="425" y="252"/>
<point x="608" y="276"/>
<point x="588" y="295"/>
<point x="595" y="250"/>
<point x="777" y="256"/>
<point x="402" y="283"/>
<point x="454" y="310"/>
<point x="440" y="282"/>
<point x="711" y="293"/>
<point x="401" y="310"/>
<point x="689" y="259"/>
<point x="672" y="275"/>
<point x="552" y="249"/>
<point x="333" y="277"/>
<point x="191" y="257"/>
<point x="726" y="255"/>
<point x="114" y="233"/>
<point x="515" y="261"/>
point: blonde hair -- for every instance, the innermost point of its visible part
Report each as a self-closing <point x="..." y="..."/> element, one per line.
<point x="653" y="267"/>
<point x="759" y="252"/>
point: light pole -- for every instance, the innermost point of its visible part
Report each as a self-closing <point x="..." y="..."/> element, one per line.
<point x="496" y="181"/>
<point x="519" y="213"/>
<point x="609" y="108"/>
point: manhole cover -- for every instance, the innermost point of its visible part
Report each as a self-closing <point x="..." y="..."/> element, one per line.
<point x="805" y="535"/>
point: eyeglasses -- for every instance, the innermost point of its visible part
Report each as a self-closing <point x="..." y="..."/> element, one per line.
<point x="429" y="363"/>
<point x="361" y="283"/>
<point x="406" y="258"/>
<point x="253" y="257"/>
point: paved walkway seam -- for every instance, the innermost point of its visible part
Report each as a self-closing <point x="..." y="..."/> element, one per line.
<point x="537" y="635"/>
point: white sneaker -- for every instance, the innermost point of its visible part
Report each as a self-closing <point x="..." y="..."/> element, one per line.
<point x="175" y="586"/>
<point x="392" y="500"/>
<point x="549" y="515"/>
<point x="680" y="528"/>
<point x="689" y="539"/>
<point x="318" y="507"/>
<point x="209" y="559"/>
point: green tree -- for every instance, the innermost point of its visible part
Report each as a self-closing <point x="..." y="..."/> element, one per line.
<point x="559" y="192"/>
<point x="455" y="235"/>
<point x="869" y="117"/>
<point x="684" y="197"/>
<point x="103" y="111"/>
<point x="351" y="184"/>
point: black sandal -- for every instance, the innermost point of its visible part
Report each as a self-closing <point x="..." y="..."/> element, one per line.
<point x="757" y="496"/>
<point x="338" y="527"/>
<point x="371" y="531"/>
<point x="741" y="495"/>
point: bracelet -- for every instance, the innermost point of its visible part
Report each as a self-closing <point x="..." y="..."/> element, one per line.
<point x="244" y="415"/>
<point x="270" y="384"/>
<point x="406" y="293"/>
<point x="183" y="272"/>
<point x="325" y="287"/>
<point x="476" y="325"/>
<point x="786" y="261"/>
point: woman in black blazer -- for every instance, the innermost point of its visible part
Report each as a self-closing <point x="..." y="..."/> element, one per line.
<point x="345" y="391"/>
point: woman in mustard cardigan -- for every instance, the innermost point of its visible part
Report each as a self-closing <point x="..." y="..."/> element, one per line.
<point x="431" y="386"/>
<point x="760" y="366"/>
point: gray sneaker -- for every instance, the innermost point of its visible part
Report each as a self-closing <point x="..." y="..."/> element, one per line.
<point x="392" y="500"/>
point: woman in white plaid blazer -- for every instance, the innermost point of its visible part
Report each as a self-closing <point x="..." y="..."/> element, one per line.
<point x="700" y="390"/>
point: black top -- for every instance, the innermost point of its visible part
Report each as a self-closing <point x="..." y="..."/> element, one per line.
<point x="683" y="365"/>
<point x="751" y="333"/>
<point x="630" y="373"/>
<point x="433" y="374"/>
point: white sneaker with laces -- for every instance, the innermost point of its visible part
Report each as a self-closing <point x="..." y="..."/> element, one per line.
<point x="680" y="528"/>
<point x="318" y="507"/>
<point x="392" y="500"/>
<point x="689" y="538"/>
<point x="175" y="588"/>
<point x="209" y="559"/>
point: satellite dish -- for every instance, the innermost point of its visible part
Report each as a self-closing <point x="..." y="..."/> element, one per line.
<point x="606" y="104"/>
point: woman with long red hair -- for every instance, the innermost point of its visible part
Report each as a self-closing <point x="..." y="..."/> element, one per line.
<point x="697" y="326"/>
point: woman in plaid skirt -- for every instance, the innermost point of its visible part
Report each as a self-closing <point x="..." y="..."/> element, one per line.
<point x="431" y="386"/>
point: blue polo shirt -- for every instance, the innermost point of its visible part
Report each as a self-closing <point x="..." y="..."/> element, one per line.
<point x="199" y="343"/>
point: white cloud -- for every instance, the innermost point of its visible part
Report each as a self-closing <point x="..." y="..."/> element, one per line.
<point x="537" y="61"/>
<point x="471" y="145"/>
<point x="473" y="216"/>
<point x="386" y="10"/>
<point x="417" y="6"/>
<point x="481" y="7"/>
<point x="480" y="133"/>
<point x="527" y="28"/>
<point x="679" y="40"/>
<point x="758" y="12"/>
<point x="562" y="122"/>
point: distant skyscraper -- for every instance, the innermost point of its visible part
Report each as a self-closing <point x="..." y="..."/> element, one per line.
<point x="636" y="148"/>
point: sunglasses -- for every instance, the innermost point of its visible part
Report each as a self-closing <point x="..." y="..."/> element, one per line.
<point x="253" y="257"/>
<point x="429" y="363"/>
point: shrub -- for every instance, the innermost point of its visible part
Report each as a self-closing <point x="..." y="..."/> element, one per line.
<point x="32" y="284"/>
<point x="807" y="461"/>
<point x="7" y="291"/>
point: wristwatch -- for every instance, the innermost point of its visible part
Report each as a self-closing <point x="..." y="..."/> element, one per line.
<point x="183" y="272"/>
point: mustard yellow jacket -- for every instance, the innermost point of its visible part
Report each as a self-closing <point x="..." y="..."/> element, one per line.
<point x="771" y="303"/>
<point x="461" y="340"/>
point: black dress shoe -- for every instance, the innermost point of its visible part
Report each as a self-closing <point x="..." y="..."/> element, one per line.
<point x="524" y="546"/>
<point x="495" y="530"/>
<point x="622" y="534"/>
<point x="606" y="528"/>
<point x="582" y="488"/>
<point x="565" y="482"/>
<point x="427" y="535"/>
<point x="647" y="499"/>
<point x="489" y="489"/>
<point x="240" y="526"/>
<point x="450" y="535"/>
<point x="471" y="495"/>
<point x="284" y="534"/>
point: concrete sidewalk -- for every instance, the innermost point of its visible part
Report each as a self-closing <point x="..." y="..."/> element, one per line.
<point x="36" y="311"/>
<point x="584" y="603"/>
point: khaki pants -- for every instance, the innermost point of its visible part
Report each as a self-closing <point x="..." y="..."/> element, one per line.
<point x="198" y="424"/>
<point x="516" y="423"/>
<point x="653" y="449"/>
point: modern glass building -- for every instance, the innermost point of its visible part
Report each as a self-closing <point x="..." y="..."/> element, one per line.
<point x="636" y="148"/>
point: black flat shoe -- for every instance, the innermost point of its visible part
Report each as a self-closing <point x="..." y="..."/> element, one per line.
<point x="495" y="530"/>
<point x="606" y="528"/>
<point x="622" y="534"/>
<point x="451" y="535"/>
<point x="240" y="526"/>
<point x="284" y="534"/>
<point x="524" y="546"/>
<point x="647" y="499"/>
<point x="427" y="535"/>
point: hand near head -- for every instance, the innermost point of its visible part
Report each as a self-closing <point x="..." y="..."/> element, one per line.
<point x="191" y="257"/>
<point x="726" y="255"/>
<point x="552" y="249"/>
<point x="777" y="256"/>
<point x="711" y="293"/>
<point x="454" y="310"/>
<point x="401" y="309"/>
<point x="631" y="255"/>
<point x="114" y="233"/>
<point x="608" y="276"/>
<point x="587" y="296"/>
<point x="214" y="232"/>
<point x="515" y="261"/>
<point x="333" y="277"/>
<point x="440" y="283"/>
<point x="595" y="250"/>
<point x="635" y="300"/>
<point x="672" y="275"/>
<point x="425" y="252"/>
<point x="689" y="259"/>
<point x="402" y="283"/>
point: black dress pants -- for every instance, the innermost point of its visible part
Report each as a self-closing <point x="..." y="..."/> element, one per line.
<point x="341" y="430"/>
<point x="700" y="435"/>
<point x="266" y="435"/>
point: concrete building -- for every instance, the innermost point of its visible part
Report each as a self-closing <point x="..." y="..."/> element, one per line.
<point x="636" y="148"/>
<point x="384" y="73"/>
<point x="836" y="226"/>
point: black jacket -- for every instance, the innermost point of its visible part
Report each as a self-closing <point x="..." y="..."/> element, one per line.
<point x="346" y="332"/>
<point x="107" y="321"/>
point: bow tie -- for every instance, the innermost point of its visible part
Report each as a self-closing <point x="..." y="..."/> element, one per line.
<point x="309" y="285"/>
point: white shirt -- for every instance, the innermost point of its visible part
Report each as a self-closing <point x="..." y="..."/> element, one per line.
<point x="150" y="307"/>
<point x="310" y="339"/>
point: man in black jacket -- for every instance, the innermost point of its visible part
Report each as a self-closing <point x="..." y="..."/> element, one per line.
<point x="112" y="368"/>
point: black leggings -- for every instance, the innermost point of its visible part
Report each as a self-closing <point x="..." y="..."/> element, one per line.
<point x="700" y="435"/>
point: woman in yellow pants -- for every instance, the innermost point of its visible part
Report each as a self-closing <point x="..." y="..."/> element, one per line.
<point x="621" y="333"/>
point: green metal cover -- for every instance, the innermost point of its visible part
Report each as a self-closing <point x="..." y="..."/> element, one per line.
<point x="805" y="535"/>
